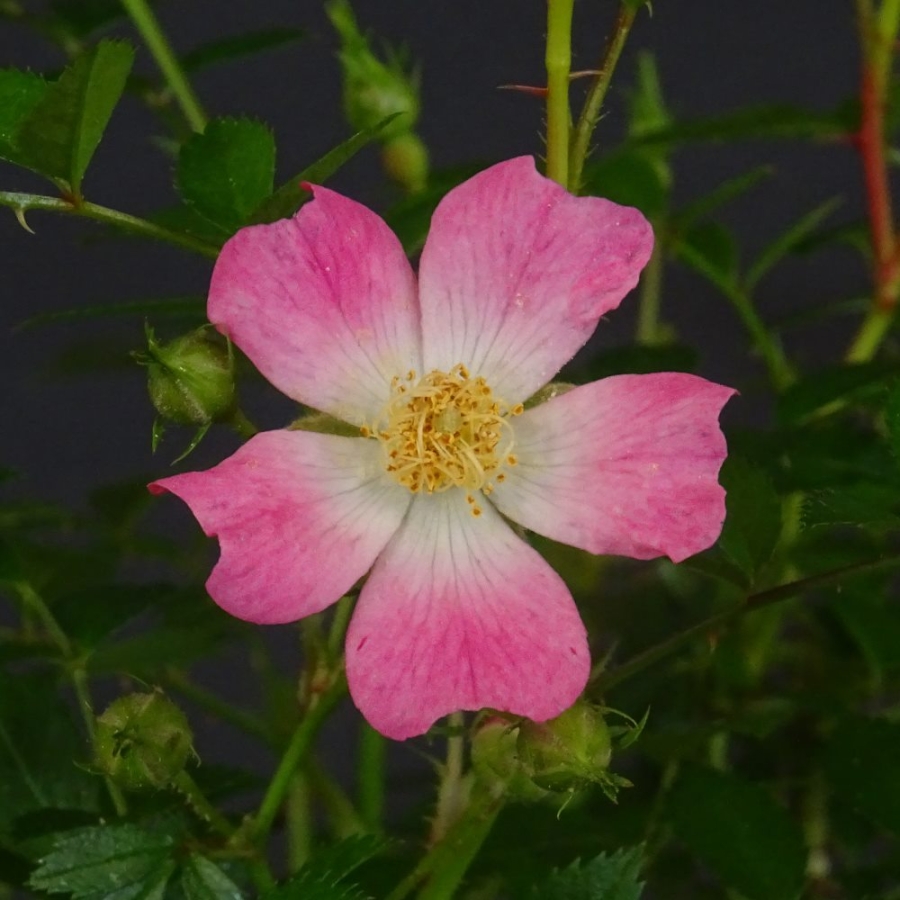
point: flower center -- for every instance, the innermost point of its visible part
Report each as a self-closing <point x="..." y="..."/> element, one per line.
<point x="445" y="430"/>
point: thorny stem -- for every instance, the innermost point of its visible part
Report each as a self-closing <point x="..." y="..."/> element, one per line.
<point x="297" y="750"/>
<point x="877" y="37"/>
<point x="558" y="60"/>
<point x="22" y="203"/>
<point x="593" y="104"/>
<point x="147" y="25"/>
<point x="604" y="681"/>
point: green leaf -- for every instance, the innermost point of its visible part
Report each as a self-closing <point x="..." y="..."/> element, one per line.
<point x="204" y="880"/>
<point x="107" y="862"/>
<point x="226" y="172"/>
<point x="78" y="18"/>
<point x="863" y="767"/>
<point x="867" y="612"/>
<point x="285" y="201"/>
<point x="641" y="359"/>
<point x="606" y="877"/>
<point x="709" y="248"/>
<point x="40" y="754"/>
<point x="632" y="179"/>
<point x="753" y="516"/>
<point x="769" y="121"/>
<point x="238" y="46"/>
<point x="62" y="131"/>
<point x="188" y="308"/>
<point x="20" y="92"/>
<point x="739" y="832"/>
<point x="818" y="390"/>
<point x="787" y="242"/>
<point x="868" y="504"/>
<point x="324" y="876"/>
<point x="892" y="418"/>
<point x="726" y="192"/>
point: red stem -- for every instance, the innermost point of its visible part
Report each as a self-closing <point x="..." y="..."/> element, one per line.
<point x="870" y="143"/>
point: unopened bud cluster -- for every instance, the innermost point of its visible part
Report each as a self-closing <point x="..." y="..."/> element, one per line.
<point x="530" y="760"/>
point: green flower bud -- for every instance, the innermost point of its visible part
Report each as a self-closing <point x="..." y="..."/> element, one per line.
<point x="405" y="160"/>
<point x="142" y="741"/>
<point x="567" y="752"/>
<point x="373" y="89"/>
<point x="191" y="379"/>
<point x="496" y="762"/>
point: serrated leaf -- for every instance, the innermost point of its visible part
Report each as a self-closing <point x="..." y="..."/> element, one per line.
<point x="239" y="46"/>
<point x="62" y="131"/>
<point x="204" y="880"/>
<point x="606" y="877"/>
<point x="107" y="862"/>
<point x="227" y="171"/>
<point x="20" y="92"/>
<point x="823" y="387"/>
<point x="863" y="767"/>
<point x="753" y="515"/>
<point x="285" y="201"/>
<point x="324" y="876"/>
<point x="40" y="754"/>
<point x="739" y="832"/>
<point x="788" y="241"/>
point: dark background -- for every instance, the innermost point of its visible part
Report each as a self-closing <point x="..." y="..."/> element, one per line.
<point x="65" y="435"/>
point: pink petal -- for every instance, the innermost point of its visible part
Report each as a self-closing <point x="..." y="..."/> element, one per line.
<point x="299" y="516"/>
<point x="459" y="613"/>
<point x="626" y="466"/>
<point x="324" y="304"/>
<point x="516" y="272"/>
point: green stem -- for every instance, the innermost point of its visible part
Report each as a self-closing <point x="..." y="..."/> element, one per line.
<point x="22" y="203"/>
<point x="873" y="330"/>
<point x="294" y="755"/>
<point x="341" y="619"/>
<point x="372" y="747"/>
<point x="148" y="26"/>
<point x="196" y="800"/>
<point x="453" y="793"/>
<point x="242" y="425"/>
<point x="298" y="821"/>
<point x="344" y="816"/>
<point x="77" y="676"/>
<point x="604" y="681"/>
<point x="444" y="866"/>
<point x="776" y="363"/>
<point x="593" y="104"/>
<point x="651" y="293"/>
<point x="558" y="60"/>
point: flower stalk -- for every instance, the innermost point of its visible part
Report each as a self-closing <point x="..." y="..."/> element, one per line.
<point x="558" y="61"/>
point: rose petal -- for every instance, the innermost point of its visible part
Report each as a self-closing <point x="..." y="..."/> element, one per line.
<point x="626" y="466"/>
<point x="459" y="613"/>
<point x="299" y="517"/>
<point x="324" y="304"/>
<point x="516" y="272"/>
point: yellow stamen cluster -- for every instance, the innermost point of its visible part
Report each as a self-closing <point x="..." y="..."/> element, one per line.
<point x="445" y="430"/>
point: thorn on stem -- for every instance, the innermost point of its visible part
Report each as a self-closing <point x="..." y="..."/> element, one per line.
<point x="20" y="216"/>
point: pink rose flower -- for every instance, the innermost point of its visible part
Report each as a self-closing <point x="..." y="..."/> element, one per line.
<point x="458" y="612"/>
